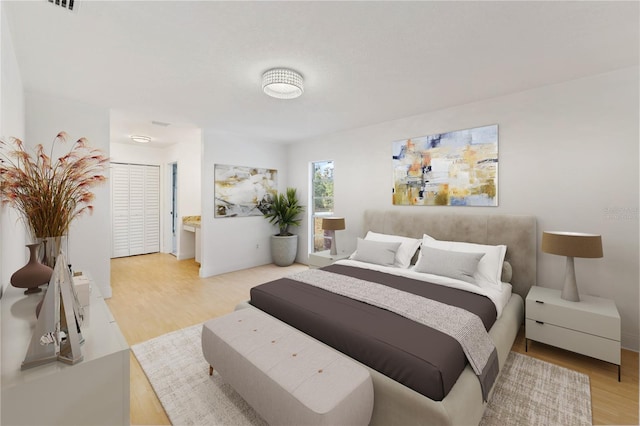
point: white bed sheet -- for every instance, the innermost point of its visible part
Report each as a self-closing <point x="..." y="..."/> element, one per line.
<point x="499" y="296"/>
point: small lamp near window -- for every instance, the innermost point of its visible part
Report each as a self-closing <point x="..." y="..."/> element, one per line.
<point x="331" y="225"/>
<point x="571" y="244"/>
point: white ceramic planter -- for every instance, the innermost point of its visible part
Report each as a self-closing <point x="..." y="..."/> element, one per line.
<point x="284" y="249"/>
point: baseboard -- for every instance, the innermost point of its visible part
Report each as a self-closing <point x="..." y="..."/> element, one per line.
<point x="630" y="341"/>
<point x="209" y="271"/>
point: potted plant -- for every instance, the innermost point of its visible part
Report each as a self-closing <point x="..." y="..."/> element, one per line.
<point x="284" y="212"/>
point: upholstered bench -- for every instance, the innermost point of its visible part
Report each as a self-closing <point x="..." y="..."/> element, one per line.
<point x="286" y="376"/>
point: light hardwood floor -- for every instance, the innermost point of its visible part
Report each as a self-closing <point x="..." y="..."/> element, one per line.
<point x="155" y="294"/>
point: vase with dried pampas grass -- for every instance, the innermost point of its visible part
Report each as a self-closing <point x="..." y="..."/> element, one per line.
<point x="49" y="194"/>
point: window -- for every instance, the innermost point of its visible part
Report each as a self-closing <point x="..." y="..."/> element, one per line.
<point x="321" y="202"/>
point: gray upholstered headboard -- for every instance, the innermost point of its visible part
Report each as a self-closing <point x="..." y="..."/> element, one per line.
<point x="518" y="233"/>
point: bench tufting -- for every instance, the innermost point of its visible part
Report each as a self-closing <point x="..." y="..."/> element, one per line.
<point x="286" y="376"/>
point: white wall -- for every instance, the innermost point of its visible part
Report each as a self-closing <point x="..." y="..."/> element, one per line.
<point x="229" y="244"/>
<point x="136" y="154"/>
<point x="13" y="254"/>
<point x="89" y="236"/>
<point x="568" y="155"/>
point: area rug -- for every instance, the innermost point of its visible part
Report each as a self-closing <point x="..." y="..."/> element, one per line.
<point x="534" y="392"/>
<point x="528" y="391"/>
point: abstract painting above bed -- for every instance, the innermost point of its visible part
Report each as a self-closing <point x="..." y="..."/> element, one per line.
<point x="447" y="169"/>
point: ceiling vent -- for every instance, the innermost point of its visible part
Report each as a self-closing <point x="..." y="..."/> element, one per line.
<point x="160" y="123"/>
<point x="70" y="5"/>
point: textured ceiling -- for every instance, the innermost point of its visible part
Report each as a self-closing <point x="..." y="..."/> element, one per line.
<point x="199" y="63"/>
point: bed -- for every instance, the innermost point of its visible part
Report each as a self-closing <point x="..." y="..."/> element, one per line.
<point x="457" y="397"/>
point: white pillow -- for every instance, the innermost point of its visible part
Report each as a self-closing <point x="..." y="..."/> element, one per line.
<point x="448" y="263"/>
<point x="378" y="252"/>
<point x="408" y="247"/>
<point x="489" y="267"/>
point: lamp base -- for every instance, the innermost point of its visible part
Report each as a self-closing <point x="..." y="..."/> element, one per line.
<point x="570" y="289"/>
<point x="332" y="235"/>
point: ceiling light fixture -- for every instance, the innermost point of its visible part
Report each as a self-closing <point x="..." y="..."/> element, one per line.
<point x="282" y="83"/>
<point x="140" y="139"/>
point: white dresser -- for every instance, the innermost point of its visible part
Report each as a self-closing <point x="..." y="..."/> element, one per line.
<point x="95" y="391"/>
<point x="589" y="327"/>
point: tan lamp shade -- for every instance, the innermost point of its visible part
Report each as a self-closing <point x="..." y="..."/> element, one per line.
<point x="572" y="244"/>
<point x="333" y="223"/>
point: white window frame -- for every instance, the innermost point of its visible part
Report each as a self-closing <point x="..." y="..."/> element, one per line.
<point x="313" y="215"/>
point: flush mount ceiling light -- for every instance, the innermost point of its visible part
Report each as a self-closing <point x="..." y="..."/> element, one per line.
<point x="282" y="83"/>
<point x="140" y="139"/>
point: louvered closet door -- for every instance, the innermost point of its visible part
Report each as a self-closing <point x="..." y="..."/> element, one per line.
<point x="120" y="210"/>
<point x="136" y="209"/>
<point x="152" y="209"/>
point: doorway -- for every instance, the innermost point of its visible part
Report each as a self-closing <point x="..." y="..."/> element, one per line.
<point x="174" y="208"/>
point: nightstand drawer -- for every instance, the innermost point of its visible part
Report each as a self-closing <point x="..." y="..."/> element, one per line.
<point x="574" y="317"/>
<point x="575" y="341"/>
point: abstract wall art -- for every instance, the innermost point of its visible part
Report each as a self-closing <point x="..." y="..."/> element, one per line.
<point x="243" y="191"/>
<point x="447" y="169"/>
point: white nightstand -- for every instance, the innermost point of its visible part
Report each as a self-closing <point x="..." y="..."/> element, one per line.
<point x="589" y="327"/>
<point x="323" y="258"/>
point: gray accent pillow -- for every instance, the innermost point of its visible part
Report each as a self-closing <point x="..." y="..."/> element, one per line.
<point x="378" y="252"/>
<point x="452" y="264"/>
<point x="408" y="246"/>
<point x="507" y="272"/>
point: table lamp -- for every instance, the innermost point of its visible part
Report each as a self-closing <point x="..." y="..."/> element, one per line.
<point x="331" y="225"/>
<point x="571" y="244"/>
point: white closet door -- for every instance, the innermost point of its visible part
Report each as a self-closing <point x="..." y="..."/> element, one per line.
<point x="152" y="209"/>
<point x="120" y="210"/>
<point x="136" y="209"/>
